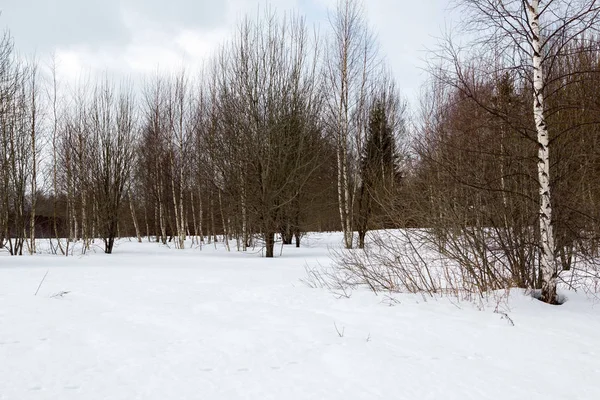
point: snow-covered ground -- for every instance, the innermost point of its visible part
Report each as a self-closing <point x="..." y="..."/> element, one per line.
<point x="150" y="322"/>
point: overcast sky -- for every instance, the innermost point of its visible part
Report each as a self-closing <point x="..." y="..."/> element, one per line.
<point x="136" y="37"/>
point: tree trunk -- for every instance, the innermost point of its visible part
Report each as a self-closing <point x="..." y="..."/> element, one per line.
<point x="33" y="166"/>
<point x="200" y="218"/>
<point x="109" y="244"/>
<point x="548" y="267"/>
<point x="55" y="160"/>
<point x="135" y="223"/>
<point x="163" y="228"/>
<point x="176" y="209"/>
<point x="194" y="220"/>
<point x="269" y="244"/>
<point x="146" y="222"/>
<point x="225" y="238"/>
<point x="287" y="232"/>
<point x="84" y="227"/>
<point x="157" y="226"/>
<point x="364" y="212"/>
<point x="212" y="234"/>
<point x="343" y="194"/>
<point x="297" y="234"/>
<point x="244" y="218"/>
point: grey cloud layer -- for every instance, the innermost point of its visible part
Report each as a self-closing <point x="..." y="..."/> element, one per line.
<point x="43" y="25"/>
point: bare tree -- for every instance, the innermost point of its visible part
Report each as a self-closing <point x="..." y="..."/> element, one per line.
<point x="33" y="90"/>
<point x="54" y="104"/>
<point x="153" y="170"/>
<point x="113" y="130"/>
<point x="179" y="133"/>
<point x="7" y="93"/>
<point x="530" y="36"/>
<point x="18" y="138"/>
<point x="349" y="66"/>
<point x="264" y="132"/>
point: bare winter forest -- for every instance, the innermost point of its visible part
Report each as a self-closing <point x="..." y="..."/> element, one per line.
<point x="289" y="129"/>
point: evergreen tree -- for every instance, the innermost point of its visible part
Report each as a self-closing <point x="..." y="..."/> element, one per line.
<point x="379" y="168"/>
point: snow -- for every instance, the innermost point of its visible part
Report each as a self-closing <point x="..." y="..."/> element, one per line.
<point x="149" y="322"/>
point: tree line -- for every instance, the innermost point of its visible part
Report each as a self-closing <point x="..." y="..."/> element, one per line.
<point x="288" y="131"/>
<point x="271" y="140"/>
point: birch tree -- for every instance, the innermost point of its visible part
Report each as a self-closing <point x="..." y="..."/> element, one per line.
<point x="53" y="100"/>
<point x="179" y="132"/>
<point x="530" y="36"/>
<point x="33" y="120"/>
<point x="349" y="64"/>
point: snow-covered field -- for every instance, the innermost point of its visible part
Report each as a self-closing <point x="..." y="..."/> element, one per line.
<point x="150" y="322"/>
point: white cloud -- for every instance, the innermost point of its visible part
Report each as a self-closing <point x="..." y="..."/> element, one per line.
<point x="136" y="37"/>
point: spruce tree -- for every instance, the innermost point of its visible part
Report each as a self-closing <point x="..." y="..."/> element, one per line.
<point x="379" y="169"/>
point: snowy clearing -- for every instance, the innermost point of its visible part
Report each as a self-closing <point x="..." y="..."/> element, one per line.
<point x="150" y="322"/>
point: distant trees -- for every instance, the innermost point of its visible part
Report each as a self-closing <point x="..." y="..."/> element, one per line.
<point x="94" y="156"/>
<point x="502" y="159"/>
<point x="379" y="168"/>
<point x="264" y="137"/>
<point x="153" y="169"/>
<point x="18" y="149"/>
<point x="532" y="37"/>
<point x="249" y="152"/>
<point x="113" y="134"/>
<point x="350" y="65"/>
<point x="279" y="135"/>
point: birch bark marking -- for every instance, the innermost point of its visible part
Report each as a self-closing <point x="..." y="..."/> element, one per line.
<point x="33" y="93"/>
<point x="133" y="217"/>
<point x="547" y="261"/>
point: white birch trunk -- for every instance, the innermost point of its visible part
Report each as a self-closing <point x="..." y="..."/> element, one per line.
<point x="175" y="203"/>
<point x="342" y="165"/>
<point x="348" y="232"/>
<point x="157" y="225"/>
<point x="33" y="168"/>
<point x="55" y="158"/>
<point x="225" y="233"/>
<point x="195" y="222"/>
<point x="70" y="207"/>
<point x="146" y="222"/>
<point x="340" y="184"/>
<point x="244" y="220"/>
<point x="182" y="216"/>
<point x="211" y="220"/>
<point x="94" y="220"/>
<point x="161" y="219"/>
<point x="84" y="227"/>
<point x="200" y="218"/>
<point x="135" y="223"/>
<point x="548" y="268"/>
